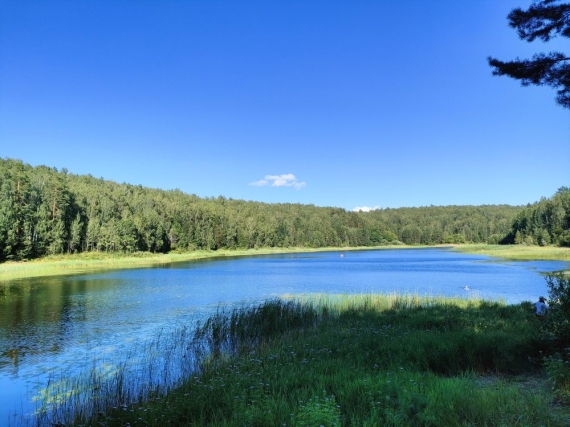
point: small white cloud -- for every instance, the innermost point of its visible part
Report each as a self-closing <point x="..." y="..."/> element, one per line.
<point x="281" y="180"/>
<point x="299" y="185"/>
<point x="287" y="180"/>
<point x="365" y="208"/>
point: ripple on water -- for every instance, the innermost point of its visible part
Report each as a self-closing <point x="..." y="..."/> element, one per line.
<point x="59" y="327"/>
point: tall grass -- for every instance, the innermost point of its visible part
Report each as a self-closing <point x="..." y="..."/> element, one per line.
<point x="242" y="330"/>
<point x="340" y="360"/>
<point x="518" y="252"/>
<point x="148" y="370"/>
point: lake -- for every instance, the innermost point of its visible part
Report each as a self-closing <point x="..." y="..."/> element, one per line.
<point x="59" y="326"/>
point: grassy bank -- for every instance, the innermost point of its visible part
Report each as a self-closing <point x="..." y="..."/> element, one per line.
<point x="518" y="252"/>
<point x="364" y="360"/>
<point x="96" y="261"/>
<point x="59" y="265"/>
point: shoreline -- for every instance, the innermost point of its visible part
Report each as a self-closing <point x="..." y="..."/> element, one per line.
<point x="63" y="265"/>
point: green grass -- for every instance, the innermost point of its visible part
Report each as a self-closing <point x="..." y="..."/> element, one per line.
<point x="68" y="264"/>
<point x="518" y="252"/>
<point x="59" y="265"/>
<point x="341" y="360"/>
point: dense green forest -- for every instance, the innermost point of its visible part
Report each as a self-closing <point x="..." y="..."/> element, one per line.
<point x="45" y="211"/>
<point x="543" y="223"/>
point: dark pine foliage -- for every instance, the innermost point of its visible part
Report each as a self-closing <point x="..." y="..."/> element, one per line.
<point x="543" y="223"/>
<point x="543" y="20"/>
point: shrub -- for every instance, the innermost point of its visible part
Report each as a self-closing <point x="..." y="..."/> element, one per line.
<point x="557" y="327"/>
<point x="558" y="370"/>
<point x="557" y="324"/>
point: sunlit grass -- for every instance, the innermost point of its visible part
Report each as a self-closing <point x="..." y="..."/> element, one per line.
<point x="518" y="252"/>
<point x="337" y="360"/>
<point x="85" y="262"/>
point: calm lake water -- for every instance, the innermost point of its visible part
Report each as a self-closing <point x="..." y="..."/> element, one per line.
<point x="60" y="326"/>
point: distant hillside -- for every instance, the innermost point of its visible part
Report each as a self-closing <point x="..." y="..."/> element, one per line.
<point x="46" y="211"/>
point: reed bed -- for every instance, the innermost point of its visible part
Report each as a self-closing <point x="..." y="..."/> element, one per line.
<point x="518" y="252"/>
<point x="150" y="369"/>
<point x="339" y="360"/>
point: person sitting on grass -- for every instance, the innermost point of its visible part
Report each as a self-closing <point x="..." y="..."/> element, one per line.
<point x="541" y="307"/>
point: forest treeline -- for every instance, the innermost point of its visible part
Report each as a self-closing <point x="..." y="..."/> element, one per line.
<point x="544" y="222"/>
<point x="44" y="211"/>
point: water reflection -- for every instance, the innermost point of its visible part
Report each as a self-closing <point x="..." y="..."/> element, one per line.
<point x="41" y="316"/>
<point x="63" y="325"/>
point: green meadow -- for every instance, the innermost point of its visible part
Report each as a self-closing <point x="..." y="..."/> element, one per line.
<point x="336" y="360"/>
<point x="519" y="252"/>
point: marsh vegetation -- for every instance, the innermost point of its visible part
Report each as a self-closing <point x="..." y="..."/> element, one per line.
<point x="337" y="360"/>
<point x="518" y="252"/>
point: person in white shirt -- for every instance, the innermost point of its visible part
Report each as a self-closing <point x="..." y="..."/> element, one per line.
<point x="541" y="307"/>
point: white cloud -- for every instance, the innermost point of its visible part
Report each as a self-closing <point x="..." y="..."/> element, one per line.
<point x="299" y="185"/>
<point x="287" y="180"/>
<point x="365" y="208"/>
<point x="281" y="180"/>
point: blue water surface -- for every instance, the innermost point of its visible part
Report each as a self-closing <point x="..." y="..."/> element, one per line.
<point x="60" y="326"/>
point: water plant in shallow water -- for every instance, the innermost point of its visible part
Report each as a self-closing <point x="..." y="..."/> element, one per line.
<point x="349" y="360"/>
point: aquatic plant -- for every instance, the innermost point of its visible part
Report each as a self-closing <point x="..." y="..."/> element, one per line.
<point x="403" y="360"/>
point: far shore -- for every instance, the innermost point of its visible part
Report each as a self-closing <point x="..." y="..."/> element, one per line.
<point x="70" y="264"/>
<point x="60" y="265"/>
<point x="518" y="252"/>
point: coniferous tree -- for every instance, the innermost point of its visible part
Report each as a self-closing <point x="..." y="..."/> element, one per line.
<point x="543" y="20"/>
<point x="43" y="211"/>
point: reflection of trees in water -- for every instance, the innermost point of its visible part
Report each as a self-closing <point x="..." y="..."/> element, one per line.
<point x="10" y="358"/>
<point x="41" y="316"/>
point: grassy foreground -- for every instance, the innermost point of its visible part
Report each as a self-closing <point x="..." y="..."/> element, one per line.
<point x="369" y="360"/>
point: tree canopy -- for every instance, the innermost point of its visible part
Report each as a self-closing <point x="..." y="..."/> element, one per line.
<point x="544" y="222"/>
<point x="44" y="211"/>
<point x="543" y="20"/>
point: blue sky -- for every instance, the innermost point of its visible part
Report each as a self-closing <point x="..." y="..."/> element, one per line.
<point x="385" y="103"/>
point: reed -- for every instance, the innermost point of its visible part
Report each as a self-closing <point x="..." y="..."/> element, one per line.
<point x="151" y="369"/>
<point x="340" y="360"/>
<point x="518" y="252"/>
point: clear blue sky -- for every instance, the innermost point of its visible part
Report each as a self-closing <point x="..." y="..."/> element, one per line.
<point x="335" y="103"/>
